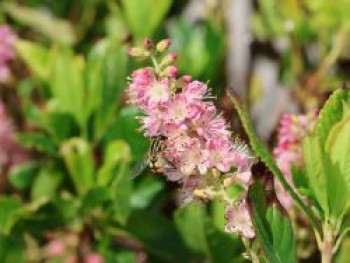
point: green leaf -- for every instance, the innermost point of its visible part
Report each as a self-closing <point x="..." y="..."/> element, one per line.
<point x="56" y="29"/>
<point x="46" y="183"/>
<point x="117" y="152"/>
<point x="21" y="176"/>
<point x="124" y="128"/>
<point x="114" y="61"/>
<point x="36" y="57"/>
<point x="146" y="191"/>
<point x="11" y="249"/>
<point x="8" y="208"/>
<point x="142" y="21"/>
<point x="94" y="198"/>
<point x="338" y="146"/>
<point x="67" y="84"/>
<point x="114" y="173"/>
<point x="195" y="237"/>
<point x="331" y="113"/>
<point x="159" y="236"/>
<point x="38" y="141"/>
<point x="77" y="155"/>
<point x="273" y="227"/>
<point x="316" y="169"/>
<point x="205" y="240"/>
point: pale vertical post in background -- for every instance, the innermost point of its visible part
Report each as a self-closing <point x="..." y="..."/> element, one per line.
<point x="239" y="36"/>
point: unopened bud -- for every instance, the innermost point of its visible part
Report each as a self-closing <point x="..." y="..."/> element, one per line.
<point x="169" y="59"/>
<point x="147" y="43"/>
<point x="171" y="71"/>
<point x="163" y="45"/>
<point x="138" y="52"/>
<point x="186" y="79"/>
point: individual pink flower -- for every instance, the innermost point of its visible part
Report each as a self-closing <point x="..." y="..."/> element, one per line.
<point x="238" y="220"/>
<point x="56" y="248"/>
<point x="93" y="258"/>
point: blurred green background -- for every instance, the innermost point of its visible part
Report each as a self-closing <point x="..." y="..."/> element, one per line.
<point x="68" y="110"/>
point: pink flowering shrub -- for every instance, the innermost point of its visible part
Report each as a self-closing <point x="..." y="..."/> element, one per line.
<point x="288" y="153"/>
<point x="7" y="54"/>
<point x="11" y="153"/>
<point x="198" y="142"/>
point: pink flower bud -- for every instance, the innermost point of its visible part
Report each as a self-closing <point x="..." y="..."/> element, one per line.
<point x="93" y="258"/>
<point x="172" y="56"/>
<point x="172" y="71"/>
<point x="186" y="79"/>
<point x="147" y="43"/>
<point x="163" y="45"/>
<point x="56" y="248"/>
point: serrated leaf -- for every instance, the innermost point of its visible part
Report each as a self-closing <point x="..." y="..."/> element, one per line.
<point x="338" y="146"/>
<point x="331" y="113"/>
<point x="316" y="170"/>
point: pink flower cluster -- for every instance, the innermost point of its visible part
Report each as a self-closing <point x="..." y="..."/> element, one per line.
<point x="198" y="142"/>
<point x="64" y="247"/>
<point x="197" y="135"/>
<point x="7" y="39"/>
<point x="293" y="129"/>
<point x="11" y="153"/>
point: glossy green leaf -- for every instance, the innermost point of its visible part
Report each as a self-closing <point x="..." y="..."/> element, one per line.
<point x="136" y="11"/>
<point x="78" y="158"/>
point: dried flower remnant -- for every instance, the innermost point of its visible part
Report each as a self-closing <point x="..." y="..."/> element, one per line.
<point x="7" y="53"/>
<point x="198" y="140"/>
<point x="288" y="153"/>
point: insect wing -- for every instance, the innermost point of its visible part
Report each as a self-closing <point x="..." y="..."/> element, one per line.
<point x="139" y="167"/>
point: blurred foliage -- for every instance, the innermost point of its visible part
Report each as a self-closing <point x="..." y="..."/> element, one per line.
<point x="75" y="121"/>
